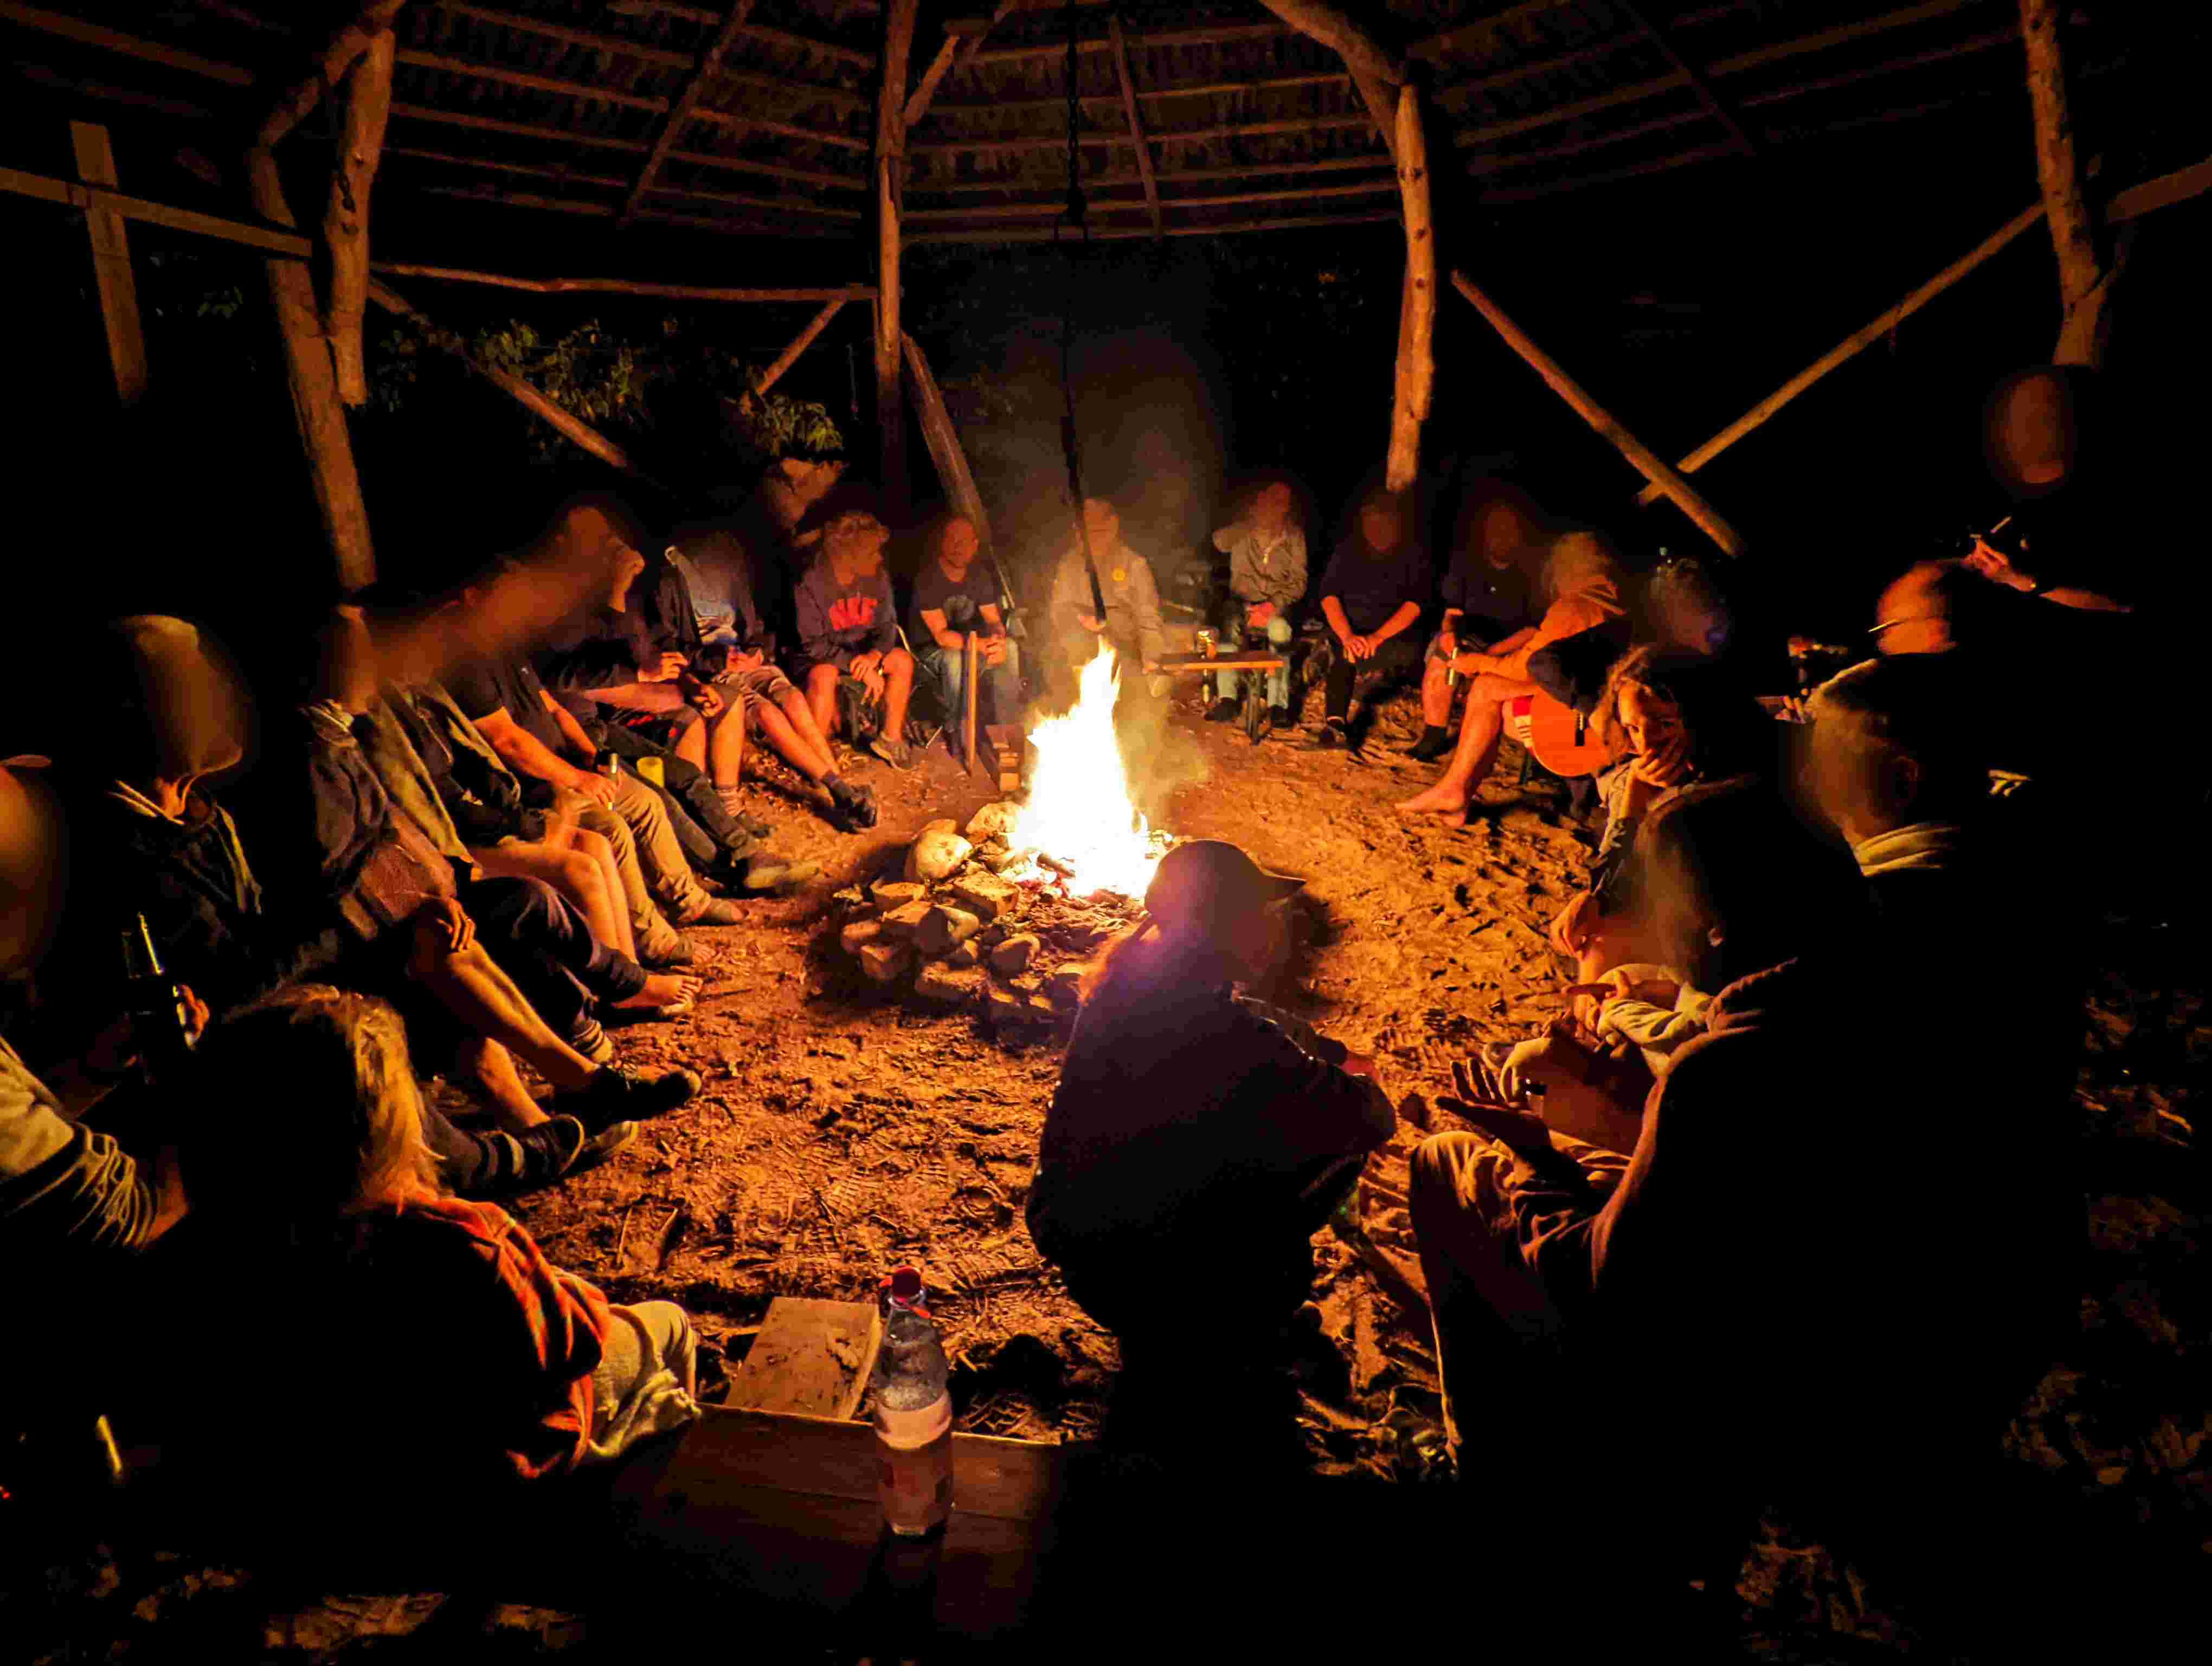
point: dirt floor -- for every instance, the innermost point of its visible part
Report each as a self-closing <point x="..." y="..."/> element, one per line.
<point x="841" y="1133"/>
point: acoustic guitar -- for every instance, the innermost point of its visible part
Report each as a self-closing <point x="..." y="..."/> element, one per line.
<point x="1561" y="738"/>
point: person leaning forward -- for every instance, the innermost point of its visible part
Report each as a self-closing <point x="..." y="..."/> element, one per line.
<point x="1131" y="627"/>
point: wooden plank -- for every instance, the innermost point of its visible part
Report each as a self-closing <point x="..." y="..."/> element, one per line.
<point x="72" y="194"/>
<point x="811" y="1357"/>
<point x="804" y="340"/>
<point x="476" y="70"/>
<point x="1850" y="346"/>
<point x="579" y="433"/>
<point x="111" y="266"/>
<point x="554" y="286"/>
<point x="114" y="41"/>
<point x="1159" y="39"/>
<point x="891" y="179"/>
<point x="1160" y="135"/>
<point x="687" y="103"/>
<point x="346" y="220"/>
<point x="1102" y="234"/>
<point x="1416" y="371"/>
<point x="1235" y="171"/>
<point x="1698" y="84"/>
<point x="1145" y="95"/>
<point x="945" y="448"/>
<point x="2164" y="192"/>
<point x="612" y="45"/>
<point x="971" y="669"/>
<point x="1647" y="461"/>
<point x="1136" y="122"/>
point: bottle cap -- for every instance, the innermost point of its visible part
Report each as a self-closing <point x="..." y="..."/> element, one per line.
<point x="904" y="1286"/>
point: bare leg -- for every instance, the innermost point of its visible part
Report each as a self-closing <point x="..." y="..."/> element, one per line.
<point x="691" y="744"/>
<point x="898" y="683"/>
<point x="622" y="936"/>
<point x="789" y="729"/>
<point x="476" y="992"/>
<point x="1436" y="694"/>
<point x="1480" y="731"/>
<point x="665" y="989"/>
<point x="822" y="697"/>
<point x="574" y="873"/>
<point x="491" y="1067"/>
<point x="725" y="742"/>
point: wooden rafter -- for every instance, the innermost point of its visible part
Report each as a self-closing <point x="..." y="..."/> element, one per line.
<point x="1046" y="209"/>
<point x="644" y="51"/>
<point x="114" y="41"/>
<point x="801" y="342"/>
<point x="890" y="179"/>
<point x="111" y="266"/>
<point x="477" y="69"/>
<point x="687" y="102"/>
<point x="1100" y="234"/>
<point x="1698" y="84"/>
<point x="958" y="52"/>
<point x="1159" y="39"/>
<point x="1162" y="136"/>
<point x="1136" y="122"/>
<point x="1236" y="171"/>
<point x="1145" y="95"/>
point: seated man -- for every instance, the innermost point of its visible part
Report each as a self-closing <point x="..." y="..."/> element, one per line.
<point x="857" y="676"/>
<point x="1130" y="626"/>
<point x="1582" y="580"/>
<point x="1266" y="551"/>
<point x="774" y="707"/>
<point x="1372" y="595"/>
<point x="955" y="599"/>
<point x="1487" y="600"/>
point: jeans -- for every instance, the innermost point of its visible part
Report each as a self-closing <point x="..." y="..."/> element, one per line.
<point x="702" y="826"/>
<point x="1395" y="659"/>
<point x="554" y="948"/>
<point x="944" y="673"/>
<point x="1230" y="684"/>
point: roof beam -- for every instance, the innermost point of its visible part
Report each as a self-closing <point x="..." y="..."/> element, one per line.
<point x="687" y="102"/>
<point x="1136" y="123"/>
<point x="643" y="50"/>
<point x="1042" y="210"/>
<point x="1163" y="37"/>
<point x="1044" y="233"/>
<point x="1239" y="171"/>
<point x="1145" y="95"/>
<point x="956" y="53"/>
<point x="1702" y="88"/>
<point x="153" y="51"/>
<point x="1159" y="135"/>
<point x="712" y="20"/>
<point x="477" y="69"/>
<point x="562" y="285"/>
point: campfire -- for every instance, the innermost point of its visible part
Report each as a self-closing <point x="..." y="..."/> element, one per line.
<point x="1003" y="914"/>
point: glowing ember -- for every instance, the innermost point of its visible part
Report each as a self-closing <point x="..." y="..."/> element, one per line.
<point x="1079" y="811"/>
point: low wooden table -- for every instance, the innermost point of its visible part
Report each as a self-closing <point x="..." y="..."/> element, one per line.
<point x="1256" y="724"/>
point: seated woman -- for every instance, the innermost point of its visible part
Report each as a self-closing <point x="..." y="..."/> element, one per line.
<point x="403" y="1333"/>
<point x="1372" y="595"/>
<point x="1582" y="586"/>
<point x="1198" y="1138"/>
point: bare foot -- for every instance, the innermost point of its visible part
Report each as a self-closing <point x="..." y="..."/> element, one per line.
<point x="1441" y="799"/>
<point x="664" y="989"/>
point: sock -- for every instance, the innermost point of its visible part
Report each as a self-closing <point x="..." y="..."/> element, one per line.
<point x="833" y="780"/>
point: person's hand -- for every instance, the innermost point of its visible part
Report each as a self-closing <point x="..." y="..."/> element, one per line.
<point x="1359" y="647"/>
<point x="1090" y="623"/>
<point x="993" y="650"/>
<point x="1471" y="664"/>
<point x="752" y="661"/>
<point x="196" y="1013"/>
<point x="1493" y="1098"/>
<point x="1358" y="1064"/>
<point x="869" y="668"/>
<point x="1666" y="765"/>
<point x="1573" y="930"/>
<point x="1994" y="564"/>
<point x="1447" y="646"/>
<point x="1151" y="668"/>
<point x="1258" y="614"/>
<point x="667" y="669"/>
<point x="600" y="789"/>
<point x="1653" y="992"/>
<point x="704" y="700"/>
<point x="450" y="917"/>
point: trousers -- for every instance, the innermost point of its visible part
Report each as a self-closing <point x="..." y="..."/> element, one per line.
<point x="1230" y="684"/>
<point x="944" y="672"/>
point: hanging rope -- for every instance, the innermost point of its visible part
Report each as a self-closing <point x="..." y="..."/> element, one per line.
<point x="1074" y="217"/>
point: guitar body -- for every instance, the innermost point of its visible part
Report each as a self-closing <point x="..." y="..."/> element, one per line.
<point x="1561" y="738"/>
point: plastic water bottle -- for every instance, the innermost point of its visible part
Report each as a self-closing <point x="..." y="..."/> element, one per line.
<point x="914" y="1413"/>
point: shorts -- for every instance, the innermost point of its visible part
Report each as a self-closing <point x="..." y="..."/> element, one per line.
<point x="763" y="684"/>
<point x="662" y="729"/>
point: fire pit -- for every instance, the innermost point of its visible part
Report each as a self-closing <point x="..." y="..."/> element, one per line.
<point x="1002" y="915"/>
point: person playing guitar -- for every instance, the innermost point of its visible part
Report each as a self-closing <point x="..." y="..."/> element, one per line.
<point x="1583" y="581"/>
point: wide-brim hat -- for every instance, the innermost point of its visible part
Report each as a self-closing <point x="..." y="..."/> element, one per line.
<point x="1203" y="883"/>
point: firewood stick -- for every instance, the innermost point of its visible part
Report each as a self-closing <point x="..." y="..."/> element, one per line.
<point x="971" y="668"/>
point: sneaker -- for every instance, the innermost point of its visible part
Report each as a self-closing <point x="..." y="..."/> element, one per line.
<point x="1223" y="711"/>
<point x="615" y="1094"/>
<point x="1282" y="717"/>
<point x="1332" y="735"/>
<point x="601" y="1145"/>
<point x="732" y="804"/>
<point x="892" y="752"/>
<point x="529" y="1161"/>
<point x="717" y="911"/>
<point x="853" y="806"/>
<point x="590" y="1039"/>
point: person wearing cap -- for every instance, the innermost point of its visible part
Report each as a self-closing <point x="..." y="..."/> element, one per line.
<point x="1130" y="626"/>
<point x="848" y="635"/>
<point x="1197" y="1137"/>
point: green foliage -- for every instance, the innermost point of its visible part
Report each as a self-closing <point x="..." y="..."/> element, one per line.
<point x="684" y="403"/>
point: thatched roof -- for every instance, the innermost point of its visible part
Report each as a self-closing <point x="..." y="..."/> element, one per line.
<point x="561" y="106"/>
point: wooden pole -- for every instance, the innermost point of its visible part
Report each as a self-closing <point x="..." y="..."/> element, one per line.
<point x="111" y="265"/>
<point x="804" y="340"/>
<point x="971" y="666"/>
<point x="1652" y="467"/>
<point x="561" y="286"/>
<point x="1376" y="73"/>
<point x="1704" y="88"/>
<point x="1850" y="346"/>
<point x="310" y="373"/>
<point x="1136" y="122"/>
<point x="2084" y="281"/>
<point x="686" y="106"/>
<point x="944" y="442"/>
<point x="890" y="170"/>
<point x="1417" y="312"/>
<point x="956" y="53"/>
<point x="345" y="221"/>
<point x="577" y="433"/>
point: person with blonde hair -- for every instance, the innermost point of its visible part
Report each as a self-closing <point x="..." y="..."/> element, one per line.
<point x="430" y="1335"/>
<point x="1196" y="1127"/>
<point x="1582" y="587"/>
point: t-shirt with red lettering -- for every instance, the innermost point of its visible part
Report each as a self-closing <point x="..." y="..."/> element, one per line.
<point x="838" y="621"/>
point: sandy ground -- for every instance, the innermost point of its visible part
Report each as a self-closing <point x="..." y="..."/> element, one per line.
<point x="841" y="1133"/>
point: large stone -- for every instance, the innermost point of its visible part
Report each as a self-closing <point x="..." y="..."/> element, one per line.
<point x="964" y="954"/>
<point x="905" y="920"/>
<point x="858" y="934"/>
<point x="949" y="986"/>
<point x="993" y="821"/>
<point x="1005" y="1006"/>
<point x="941" y="927"/>
<point x="999" y="860"/>
<point x="886" y="963"/>
<point x="888" y="894"/>
<point x="1011" y="957"/>
<point x="985" y="895"/>
<point x="1065" y="986"/>
<point x="937" y="853"/>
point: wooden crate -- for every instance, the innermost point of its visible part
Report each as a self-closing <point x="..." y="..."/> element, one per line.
<point x="810" y="1357"/>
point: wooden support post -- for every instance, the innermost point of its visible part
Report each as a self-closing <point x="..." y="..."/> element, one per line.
<point x="944" y="443"/>
<point x="805" y="339"/>
<point x="111" y="265"/>
<point x="1417" y="317"/>
<point x="309" y="371"/>
<point x="2084" y="281"/>
<point x="579" y="433"/>
<point x="1653" y="468"/>
<point x="1136" y="122"/>
<point x="1850" y="347"/>
<point x="890" y="173"/>
<point x="971" y="674"/>
<point x="686" y="106"/>
<point x="345" y="221"/>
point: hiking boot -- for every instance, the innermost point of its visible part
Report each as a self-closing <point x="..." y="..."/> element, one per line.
<point x="1333" y="735"/>
<point x="893" y="751"/>
<point x="852" y="806"/>
<point x="717" y="911"/>
<point x="590" y="1039"/>
<point x="1223" y="711"/>
<point x="615" y="1094"/>
<point x="1433" y="744"/>
<point x="1282" y="717"/>
<point x="528" y="1161"/>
